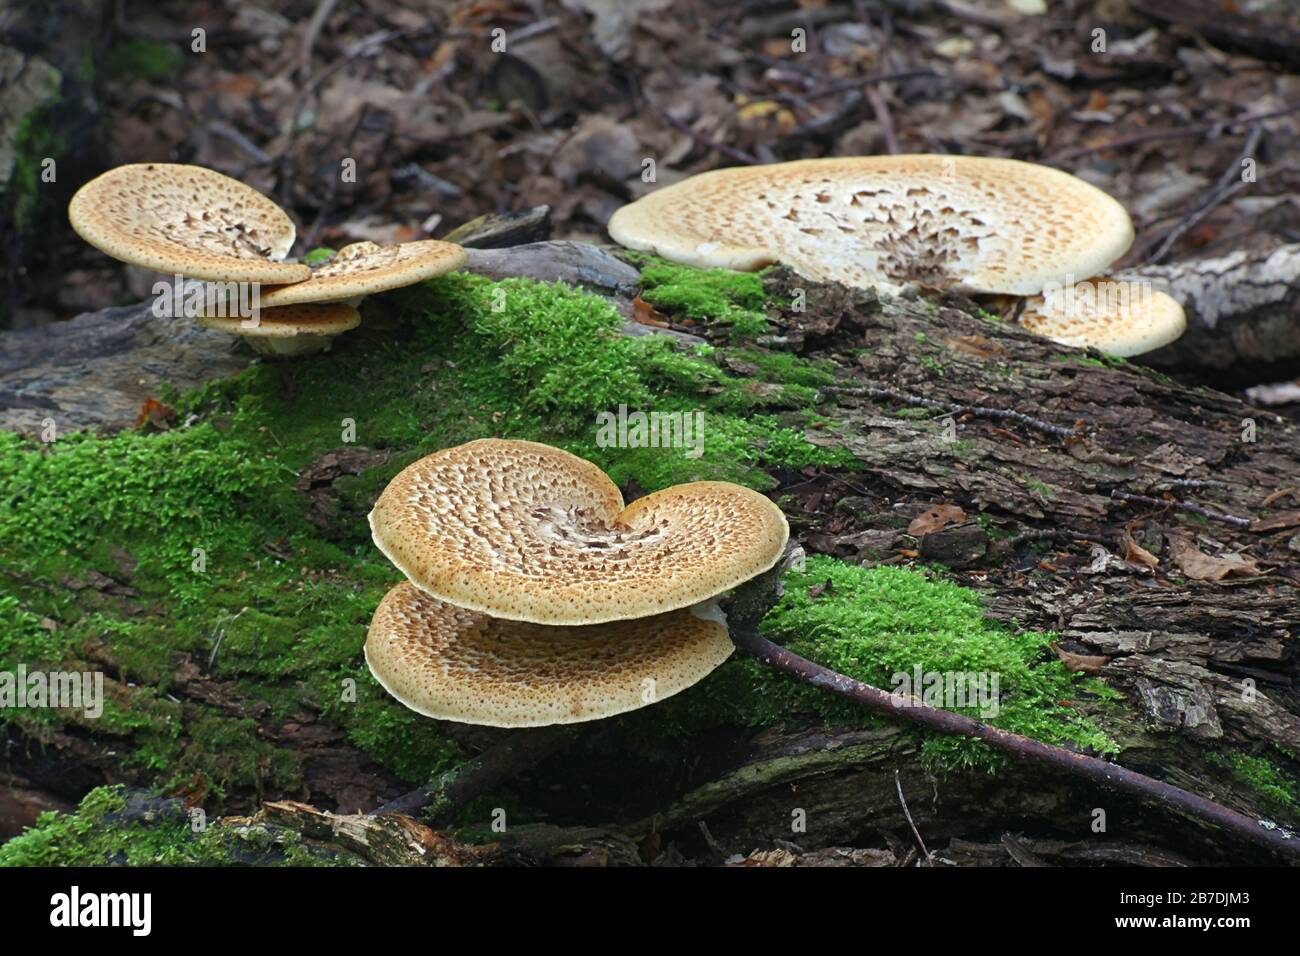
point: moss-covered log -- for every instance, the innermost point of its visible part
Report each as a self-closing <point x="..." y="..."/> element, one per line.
<point x="1117" y="547"/>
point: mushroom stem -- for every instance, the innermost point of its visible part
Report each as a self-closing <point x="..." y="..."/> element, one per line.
<point x="743" y="618"/>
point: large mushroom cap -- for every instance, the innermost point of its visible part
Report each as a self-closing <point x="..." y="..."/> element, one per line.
<point x="979" y="225"/>
<point x="365" y="268"/>
<point x="1121" y="318"/>
<point x="529" y="532"/>
<point x="454" y="664"/>
<point x="187" y="220"/>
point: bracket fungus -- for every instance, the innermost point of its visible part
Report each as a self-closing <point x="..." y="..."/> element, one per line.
<point x="535" y="597"/>
<point x="455" y="664"/>
<point x="528" y="532"/>
<point x="971" y="224"/>
<point x="963" y="222"/>
<point x="1123" y="318"/>
<point x="186" y="220"/>
<point x="289" y="330"/>
<point x="365" y="268"/>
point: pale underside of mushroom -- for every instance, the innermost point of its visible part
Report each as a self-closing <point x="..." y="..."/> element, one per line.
<point x="366" y="268"/>
<point x="186" y="220"/>
<point x="962" y="222"/>
<point x="291" y="330"/>
<point x="455" y="664"/>
<point x="1123" y="318"/>
<point x="527" y="532"/>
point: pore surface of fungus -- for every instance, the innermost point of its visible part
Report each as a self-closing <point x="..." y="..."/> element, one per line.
<point x="456" y="664"/>
<point x="975" y="224"/>
<point x="187" y="220"/>
<point x="528" y="532"/>
<point x="1123" y="318"/>
<point x="289" y="330"/>
<point x="365" y="268"/>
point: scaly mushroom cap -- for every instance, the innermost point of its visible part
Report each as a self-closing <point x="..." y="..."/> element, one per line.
<point x="1120" y="318"/>
<point x="287" y="321"/>
<point x="365" y="268"/>
<point x="450" y="663"/>
<point x="528" y="532"/>
<point x="187" y="220"/>
<point x="979" y="225"/>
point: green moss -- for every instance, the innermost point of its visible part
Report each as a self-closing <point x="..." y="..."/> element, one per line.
<point x="715" y="296"/>
<point x="205" y="525"/>
<point x="1279" y="789"/>
<point x="318" y="255"/>
<point x="39" y="137"/>
<point x="148" y="60"/>
<point x="107" y="830"/>
<point x="874" y="623"/>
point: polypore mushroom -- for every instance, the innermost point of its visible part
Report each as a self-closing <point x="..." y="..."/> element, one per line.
<point x="456" y="664"/>
<point x="964" y="222"/>
<point x="364" y="268"/>
<point x="528" y="532"/>
<point x="1122" y="318"/>
<point x="289" y="330"/>
<point x="186" y="220"/>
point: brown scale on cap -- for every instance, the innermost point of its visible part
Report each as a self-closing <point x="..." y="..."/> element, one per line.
<point x="365" y="268"/>
<point x="979" y="225"/>
<point x="187" y="220"/>
<point x="451" y="663"/>
<point x="528" y="532"/>
<point x="1123" y="318"/>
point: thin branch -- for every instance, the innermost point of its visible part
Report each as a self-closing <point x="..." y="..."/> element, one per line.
<point x="911" y="710"/>
<point x="883" y="117"/>
<point x="980" y="411"/>
<point x="1228" y="185"/>
<point x="1178" y="132"/>
<point x="739" y="155"/>
<point x="1184" y="506"/>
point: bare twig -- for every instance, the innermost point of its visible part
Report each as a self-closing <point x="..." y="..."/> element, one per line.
<point x="1229" y="184"/>
<point x="682" y="126"/>
<point x="1178" y="132"/>
<point x="911" y="710"/>
<point x="898" y="785"/>
<point x="883" y="117"/>
<point x="980" y="411"/>
<point x="1183" y="506"/>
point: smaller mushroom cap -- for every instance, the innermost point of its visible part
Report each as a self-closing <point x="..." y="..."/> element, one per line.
<point x="286" y="321"/>
<point x="188" y="220"/>
<point x="454" y="664"/>
<point x="365" y="268"/>
<point x="1122" y="318"/>
<point x="528" y="532"/>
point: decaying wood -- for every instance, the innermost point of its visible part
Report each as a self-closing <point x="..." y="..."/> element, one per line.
<point x="1242" y="307"/>
<point x="1201" y="659"/>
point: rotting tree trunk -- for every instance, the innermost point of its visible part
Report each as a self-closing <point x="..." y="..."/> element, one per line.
<point x="1080" y="492"/>
<point x="1243" y="308"/>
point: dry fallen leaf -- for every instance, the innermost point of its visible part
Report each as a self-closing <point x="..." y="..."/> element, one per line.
<point x="1081" y="663"/>
<point x="1283" y="519"/>
<point x="1199" y="566"/>
<point x="154" y="413"/>
<point x="940" y="516"/>
<point x="1137" y="554"/>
